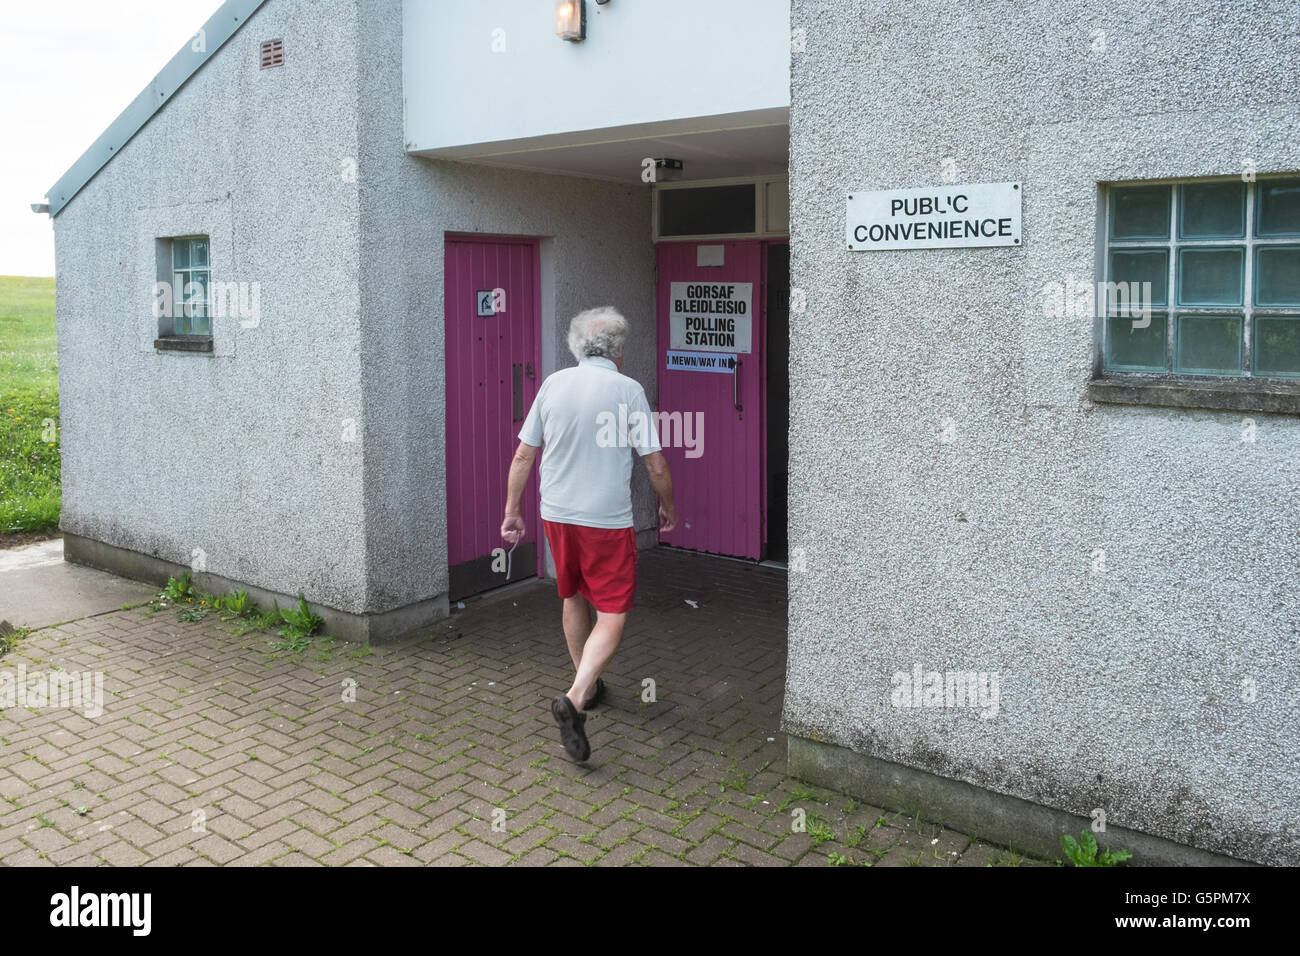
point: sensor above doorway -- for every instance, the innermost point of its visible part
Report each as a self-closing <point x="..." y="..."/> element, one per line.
<point x="710" y="256"/>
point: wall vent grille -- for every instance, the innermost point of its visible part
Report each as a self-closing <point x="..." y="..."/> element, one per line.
<point x="272" y="53"/>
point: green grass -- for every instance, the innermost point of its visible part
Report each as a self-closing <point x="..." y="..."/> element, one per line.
<point x="29" y="401"/>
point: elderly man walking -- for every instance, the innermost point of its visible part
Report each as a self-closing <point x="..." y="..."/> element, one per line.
<point x="587" y="418"/>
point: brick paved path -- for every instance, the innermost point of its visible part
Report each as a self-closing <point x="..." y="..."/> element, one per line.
<point x="215" y="749"/>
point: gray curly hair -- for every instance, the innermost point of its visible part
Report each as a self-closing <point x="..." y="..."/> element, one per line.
<point x="601" y="331"/>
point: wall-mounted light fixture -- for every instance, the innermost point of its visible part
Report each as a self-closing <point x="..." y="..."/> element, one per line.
<point x="571" y="19"/>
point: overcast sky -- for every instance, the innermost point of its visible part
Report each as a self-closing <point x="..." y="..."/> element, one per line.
<point x="67" y="69"/>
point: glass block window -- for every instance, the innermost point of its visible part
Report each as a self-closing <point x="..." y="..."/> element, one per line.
<point x="190" y="281"/>
<point x="1221" y="263"/>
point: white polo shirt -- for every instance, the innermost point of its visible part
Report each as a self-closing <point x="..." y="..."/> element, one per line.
<point x="589" y="419"/>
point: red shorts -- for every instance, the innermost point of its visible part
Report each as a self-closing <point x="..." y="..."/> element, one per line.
<point x="599" y="563"/>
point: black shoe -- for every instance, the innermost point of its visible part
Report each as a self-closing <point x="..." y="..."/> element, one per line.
<point x="573" y="733"/>
<point x="596" y="696"/>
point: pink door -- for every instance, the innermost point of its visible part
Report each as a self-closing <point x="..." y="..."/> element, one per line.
<point x="711" y="338"/>
<point x="493" y="296"/>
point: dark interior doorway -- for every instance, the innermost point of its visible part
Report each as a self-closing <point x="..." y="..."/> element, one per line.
<point x="778" y="399"/>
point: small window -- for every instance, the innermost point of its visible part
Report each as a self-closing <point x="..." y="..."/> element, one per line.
<point x="183" y="301"/>
<point x="776" y="207"/>
<point x="707" y="210"/>
<point x="757" y="207"/>
<point x="190" y="274"/>
<point x="1219" y="265"/>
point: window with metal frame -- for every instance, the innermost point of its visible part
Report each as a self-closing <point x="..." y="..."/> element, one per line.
<point x="749" y="207"/>
<point x="1217" y="263"/>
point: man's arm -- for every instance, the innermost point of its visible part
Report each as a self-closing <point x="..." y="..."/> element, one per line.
<point x="662" y="482"/>
<point x="521" y="466"/>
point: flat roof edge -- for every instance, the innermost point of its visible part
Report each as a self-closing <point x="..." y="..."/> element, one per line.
<point x="219" y="28"/>
<point x="630" y="132"/>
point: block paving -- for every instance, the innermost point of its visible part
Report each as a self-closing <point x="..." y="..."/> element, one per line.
<point x="217" y="749"/>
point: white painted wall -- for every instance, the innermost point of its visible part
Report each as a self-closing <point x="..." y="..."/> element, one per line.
<point x="642" y="62"/>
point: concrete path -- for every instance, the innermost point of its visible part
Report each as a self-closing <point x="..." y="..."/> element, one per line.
<point x="38" y="588"/>
<point x="214" y="748"/>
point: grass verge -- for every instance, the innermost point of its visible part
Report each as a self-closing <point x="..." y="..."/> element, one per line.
<point x="29" y="407"/>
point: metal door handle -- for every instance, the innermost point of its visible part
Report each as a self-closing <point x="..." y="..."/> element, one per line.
<point x="735" y="386"/>
<point x="517" y="388"/>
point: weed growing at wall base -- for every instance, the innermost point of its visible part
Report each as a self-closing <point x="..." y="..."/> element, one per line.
<point x="10" y="636"/>
<point x="299" y="624"/>
<point x="1084" y="851"/>
<point x="294" y="626"/>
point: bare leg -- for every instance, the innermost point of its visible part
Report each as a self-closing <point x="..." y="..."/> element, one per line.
<point x="599" y="649"/>
<point x="577" y="625"/>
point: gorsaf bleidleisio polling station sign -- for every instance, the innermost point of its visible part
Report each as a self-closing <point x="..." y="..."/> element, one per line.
<point x="711" y="316"/>
<point x="934" y="217"/>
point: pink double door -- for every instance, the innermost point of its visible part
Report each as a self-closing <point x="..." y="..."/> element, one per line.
<point x="712" y="369"/>
<point x="492" y="314"/>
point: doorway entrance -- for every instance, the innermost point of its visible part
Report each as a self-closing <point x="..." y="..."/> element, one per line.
<point x="776" y="297"/>
<point x="723" y="325"/>
<point x="492" y="288"/>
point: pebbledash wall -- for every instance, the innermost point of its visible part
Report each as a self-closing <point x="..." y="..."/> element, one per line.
<point x="231" y="461"/>
<point x="1124" y="690"/>
<point x="596" y="250"/>
<point x="308" y="450"/>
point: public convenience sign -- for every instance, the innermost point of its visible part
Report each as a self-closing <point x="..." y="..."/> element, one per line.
<point x="934" y="217"/>
<point x="711" y="316"/>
